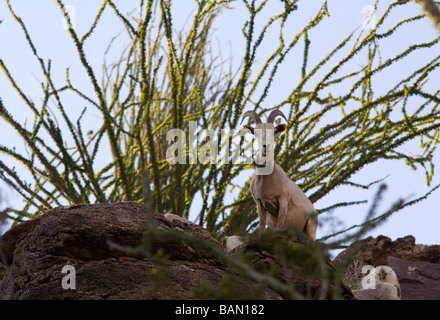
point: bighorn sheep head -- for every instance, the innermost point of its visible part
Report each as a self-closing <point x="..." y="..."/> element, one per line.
<point x="265" y="132"/>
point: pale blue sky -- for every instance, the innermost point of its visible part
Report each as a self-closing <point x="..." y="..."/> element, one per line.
<point x="44" y="21"/>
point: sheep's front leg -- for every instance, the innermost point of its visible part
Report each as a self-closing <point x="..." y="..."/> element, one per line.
<point x="282" y="213"/>
<point x="261" y="216"/>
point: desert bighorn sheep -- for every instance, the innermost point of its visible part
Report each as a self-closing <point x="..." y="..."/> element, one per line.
<point x="280" y="202"/>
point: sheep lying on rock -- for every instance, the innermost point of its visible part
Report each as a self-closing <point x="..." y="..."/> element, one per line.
<point x="380" y="284"/>
<point x="280" y="202"/>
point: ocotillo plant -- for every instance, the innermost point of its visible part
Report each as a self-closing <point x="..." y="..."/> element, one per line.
<point x="166" y="78"/>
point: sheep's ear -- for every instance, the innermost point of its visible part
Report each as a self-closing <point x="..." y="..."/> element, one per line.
<point x="249" y="128"/>
<point x="280" y="128"/>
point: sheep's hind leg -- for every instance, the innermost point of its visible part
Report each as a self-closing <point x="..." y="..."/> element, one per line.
<point x="310" y="228"/>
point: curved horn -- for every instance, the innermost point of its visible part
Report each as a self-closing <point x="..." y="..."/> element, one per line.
<point x="253" y="115"/>
<point x="274" y="114"/>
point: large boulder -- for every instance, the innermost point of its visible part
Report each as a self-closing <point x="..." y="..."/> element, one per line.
<point x="87" y="238"/>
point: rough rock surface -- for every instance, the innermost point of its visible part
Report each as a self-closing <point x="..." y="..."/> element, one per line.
<point x="92" y="238"/>
<point x="80" y="235"/>
<point x="375" y="251"/>
<point x="419" y="280"/>
<point x="2" y="270"/>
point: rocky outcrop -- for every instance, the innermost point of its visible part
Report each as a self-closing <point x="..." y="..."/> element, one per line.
<point x="85" y="237"/>
<point x="79" y="236"/>
<point x="375" y="251"/>
<point x="419" y="280"/>
<point x="97" y="244"/>
<point x="417" y="266"/>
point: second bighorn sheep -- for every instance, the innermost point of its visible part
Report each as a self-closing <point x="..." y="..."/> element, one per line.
<point x="280" y="202"/>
